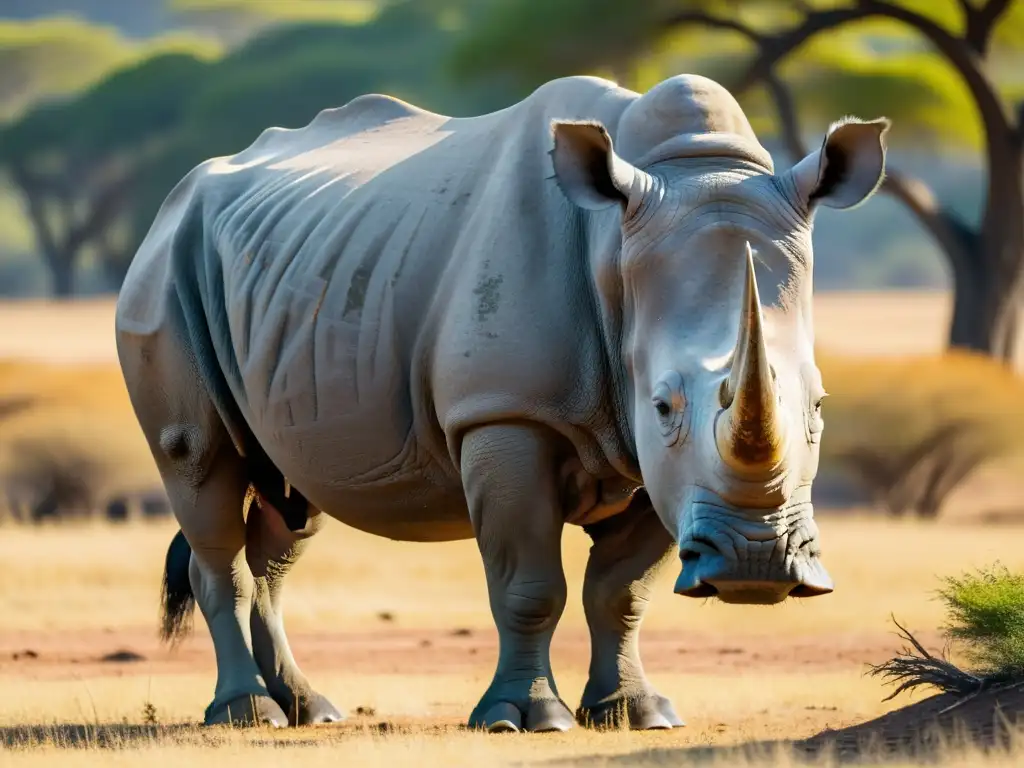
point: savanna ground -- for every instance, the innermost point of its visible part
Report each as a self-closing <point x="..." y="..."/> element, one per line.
<point x="399" y="635"/>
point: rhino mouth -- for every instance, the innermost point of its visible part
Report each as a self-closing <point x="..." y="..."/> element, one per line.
<point x="751" y="558"/>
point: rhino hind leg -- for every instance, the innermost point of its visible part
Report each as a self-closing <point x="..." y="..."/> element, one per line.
<point x="206" y="482"/>
<point x="211" y="519"/>
<point x="272" y="547"/>
<point x="509" y="479"/>
<point x="628" y="551"/>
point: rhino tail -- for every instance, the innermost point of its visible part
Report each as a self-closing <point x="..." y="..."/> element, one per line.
<point x="177" y="599"/>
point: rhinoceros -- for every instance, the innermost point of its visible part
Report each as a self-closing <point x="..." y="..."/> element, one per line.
<point x="591" y="308"/>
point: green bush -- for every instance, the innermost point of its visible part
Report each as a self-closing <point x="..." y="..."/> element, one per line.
<point x="986" y="614"/>
<point x="985" y="618"/>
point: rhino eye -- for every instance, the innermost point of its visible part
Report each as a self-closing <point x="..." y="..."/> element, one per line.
<point x="670" y="404"/>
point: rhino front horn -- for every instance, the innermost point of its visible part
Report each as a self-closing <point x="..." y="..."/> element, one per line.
<point x="749" y="431"/>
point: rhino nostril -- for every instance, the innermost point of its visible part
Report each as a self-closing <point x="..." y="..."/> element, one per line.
<point x="697" y="546"/>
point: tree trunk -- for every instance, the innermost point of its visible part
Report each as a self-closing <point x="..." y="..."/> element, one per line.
<point x="62" y="277"/>
<point x="984" y="309"/>
<point x="988" y="283"/>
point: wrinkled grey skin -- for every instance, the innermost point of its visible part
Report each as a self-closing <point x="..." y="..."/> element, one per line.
<point x="434" y="329"/>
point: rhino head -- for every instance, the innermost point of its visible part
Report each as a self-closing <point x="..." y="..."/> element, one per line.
<point x="708" y="268"/>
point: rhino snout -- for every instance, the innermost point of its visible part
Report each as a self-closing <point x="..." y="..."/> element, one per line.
<point x="728" y="555"/>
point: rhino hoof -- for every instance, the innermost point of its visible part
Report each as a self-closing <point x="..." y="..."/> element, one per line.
<point x="540" y="717"/>
<point x="503" y="718"/>
<point x="315" y="710"/>
<point x="247" y="712"/>
<point x="548" y="715"/>
<point x="647" y="713"/>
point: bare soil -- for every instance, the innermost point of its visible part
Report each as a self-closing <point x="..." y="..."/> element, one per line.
<point x="40" y="655"/>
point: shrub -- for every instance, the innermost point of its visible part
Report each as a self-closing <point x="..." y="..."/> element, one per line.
<point x="913" y="430"/>
<point x="985" y="615"/>
<point x="48" y="483"/>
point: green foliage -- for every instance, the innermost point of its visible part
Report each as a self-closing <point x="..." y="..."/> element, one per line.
<point x="538" y="39"/>
<point x="986" y="614"/>
<point x="127" y="108"/>
<point x="875" y="66"/>
<point x="858" y="71"/>
<point x="53" y="57"/>
<point x="239" y="20"/>
<point x="347" y="11"/>
<point x="286" y="75"/>
<point x="59" y="57"/>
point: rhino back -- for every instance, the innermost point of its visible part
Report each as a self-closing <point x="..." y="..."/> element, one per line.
<point x="380" y="280"/>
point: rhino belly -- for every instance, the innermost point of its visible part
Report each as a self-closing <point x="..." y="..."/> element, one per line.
<point x="330" y="402"/>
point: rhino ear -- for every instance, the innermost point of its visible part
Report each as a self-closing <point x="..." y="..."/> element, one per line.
<point x="587" y="168"/>
<point x="847" y="169"/>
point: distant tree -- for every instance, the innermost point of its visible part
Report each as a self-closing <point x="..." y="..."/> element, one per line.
<point x="285" y="75"/>
<point x="54" y="57"/>
<point x="238" y="20"/>
<point x="923" y="62"/>
<point x="77" y="163"/>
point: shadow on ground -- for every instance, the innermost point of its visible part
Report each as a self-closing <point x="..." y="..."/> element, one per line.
<point x="133" y="735"/>
<point x="991" y="721"/>
<point x="117" y="736"/>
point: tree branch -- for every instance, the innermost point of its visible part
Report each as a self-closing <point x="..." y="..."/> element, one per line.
<point x="105" y="206"/>
<point x="788" y="120"/>
<point x="34" y="207"/>
<point x="952" y="235"/>
<point x="778" y="46"/>
<point x="980" y="22"/>
<point x="715" y="22"/>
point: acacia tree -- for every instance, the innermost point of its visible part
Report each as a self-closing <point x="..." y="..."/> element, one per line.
<point x="54" y="57"/>
<point x="77" y="163"/>
<point x="541" y="38"/>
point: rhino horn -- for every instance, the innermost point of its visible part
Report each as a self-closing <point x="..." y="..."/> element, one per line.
<point x="749" y="431"/>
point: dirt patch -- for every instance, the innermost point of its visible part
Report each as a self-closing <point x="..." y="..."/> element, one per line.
<point x="987" y="720"/>
<point x="396" y="650"/>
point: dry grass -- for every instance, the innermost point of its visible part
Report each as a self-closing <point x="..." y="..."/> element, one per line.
<point x="82" y="408"/>
<point x="107" y="578"/>
<point x="849" y="323"/>
<point x="63" y="354"/>
<point x="96" y="576"/>
<point x="739" y="676"/>
<point x="449" y="747"/>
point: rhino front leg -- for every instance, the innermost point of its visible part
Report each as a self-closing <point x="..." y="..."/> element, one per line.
<point x="628" y="551"/>
<point x="272" y="549"/>
<point x="509" y="477"/>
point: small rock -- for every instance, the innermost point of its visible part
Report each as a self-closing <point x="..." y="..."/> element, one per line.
<point x="366" y="711"/>
<point x="28" y="653"/>
<point x="462" y="632"/>
<point x="385" y="727"/>
<point x="122" y="657"/>
<point x="425" y="643"/>
<point x="386" y="616"/>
